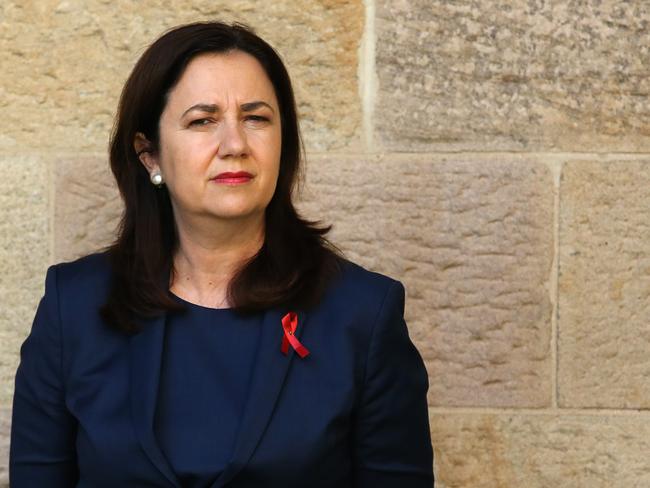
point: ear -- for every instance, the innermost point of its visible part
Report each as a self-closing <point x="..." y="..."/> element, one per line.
<point x="144" y="149"/>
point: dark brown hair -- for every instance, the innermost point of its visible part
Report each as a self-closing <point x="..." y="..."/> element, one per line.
<point x="295" y="262"/>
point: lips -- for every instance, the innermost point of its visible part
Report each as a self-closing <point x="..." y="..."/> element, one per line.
<point x="230" y="177"/>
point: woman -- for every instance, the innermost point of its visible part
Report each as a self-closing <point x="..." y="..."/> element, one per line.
<point x="221" y="340"/>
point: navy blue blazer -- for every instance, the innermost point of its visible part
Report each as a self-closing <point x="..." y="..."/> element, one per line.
<point x="353" y="413"/>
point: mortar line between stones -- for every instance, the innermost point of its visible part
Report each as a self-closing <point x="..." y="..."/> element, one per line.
<point x="555" y="285"/>
<point x="608" y="156"/>
<point x="562" y="412"/>
<point x="366" y="74"/>
<point x="549" y="155"/>
<point x="51" y="195"/>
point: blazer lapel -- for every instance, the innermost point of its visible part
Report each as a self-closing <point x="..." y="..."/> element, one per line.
<point x="145" y="352"/>
<point x="269" y="373"/>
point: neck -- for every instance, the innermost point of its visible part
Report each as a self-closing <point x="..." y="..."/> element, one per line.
<point x="209" y="253"/>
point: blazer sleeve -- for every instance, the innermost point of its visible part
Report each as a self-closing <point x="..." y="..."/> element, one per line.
<point x="42" y="450"/>
<point x="392" y="437"/>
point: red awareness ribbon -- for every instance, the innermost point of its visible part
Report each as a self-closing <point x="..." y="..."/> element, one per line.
<point x="289" y="324"/>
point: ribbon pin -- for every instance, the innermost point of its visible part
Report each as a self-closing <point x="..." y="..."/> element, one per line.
<point x="289" y="324"/>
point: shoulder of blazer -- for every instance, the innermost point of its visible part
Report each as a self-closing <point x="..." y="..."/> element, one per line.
<point x="358" y="286"/>
<point x="89" y="276"/>
<point x="362" y="276"/>
<point x="82" y="287"/>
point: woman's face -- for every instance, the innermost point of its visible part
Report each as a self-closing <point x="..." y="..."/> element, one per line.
<point x="221" y="117"/>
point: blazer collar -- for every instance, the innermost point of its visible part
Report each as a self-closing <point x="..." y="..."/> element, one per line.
<point x="269" y="372"/>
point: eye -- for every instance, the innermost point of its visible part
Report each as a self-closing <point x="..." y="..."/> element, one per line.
<point x="200" y="122"/>
<point x="257" y="118"/>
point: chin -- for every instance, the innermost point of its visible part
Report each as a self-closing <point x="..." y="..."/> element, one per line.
<point x="235" y="214"/>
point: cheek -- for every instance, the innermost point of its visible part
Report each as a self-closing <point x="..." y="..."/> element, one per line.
<point x="180" y="181"/>
<point x="267" y="149"/>
<point x="182" y="165"/>
<point x="275" y="149"/>
<point x="270" y="170"/>
<point x="274" y="167"/>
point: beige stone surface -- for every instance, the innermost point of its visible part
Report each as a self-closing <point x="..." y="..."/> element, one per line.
<point x="472" y="239"/>
<point x="24" y="253"/>
<point x="515" y="75"/>
<point x="604" y="313"/>
<point x="541" y="451"/>
<point x="64" y="62"/>
<point x="87" y="206"/>
<point x="5" y="431"/>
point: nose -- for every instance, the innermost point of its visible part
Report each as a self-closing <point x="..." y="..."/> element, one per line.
<point x="232" y="140"/>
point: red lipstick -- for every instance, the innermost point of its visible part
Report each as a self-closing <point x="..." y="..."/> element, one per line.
<point x="233" y="178"/>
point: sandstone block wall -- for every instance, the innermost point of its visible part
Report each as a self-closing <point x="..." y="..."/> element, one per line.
<point x="494" y="156"/>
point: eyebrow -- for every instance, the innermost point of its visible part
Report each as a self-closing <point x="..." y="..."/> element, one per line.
<point x="214" y="108"/>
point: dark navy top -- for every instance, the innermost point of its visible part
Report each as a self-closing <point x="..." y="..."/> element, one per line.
<point x="193" y="366"/>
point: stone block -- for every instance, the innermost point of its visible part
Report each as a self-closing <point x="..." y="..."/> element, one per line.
<point x="604" y="309"/>
<point x="539" y="451"/>
<point x="518" y="75"/>
<point x="87" y="207"/>
<point x="472" y="239"/>
<point x="64" y="63"/>
<point x="24" y="254"/>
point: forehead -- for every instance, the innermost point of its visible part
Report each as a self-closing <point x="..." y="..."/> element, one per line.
<point x="220" y="78"/>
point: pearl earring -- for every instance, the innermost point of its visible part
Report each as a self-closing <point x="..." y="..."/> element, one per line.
<point x="156" y="178"/>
